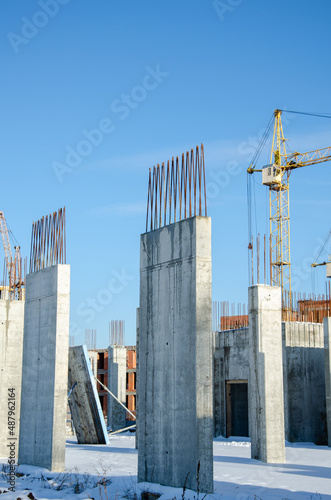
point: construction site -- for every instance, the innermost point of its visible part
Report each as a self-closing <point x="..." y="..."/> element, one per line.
<point x="200" y="368"/>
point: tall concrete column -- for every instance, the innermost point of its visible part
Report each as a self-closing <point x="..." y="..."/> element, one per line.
<point x="175" y="393"/>
<point x="265" y="384"/>
<point x="327" y="365"/>
<point x="11" y="350"/>
<point x="117" y="385"/>
<point x="45" y="368"/>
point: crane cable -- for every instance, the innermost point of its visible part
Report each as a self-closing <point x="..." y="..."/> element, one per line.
<point x="312" y="270"/>
<point x="320" y="115"/>
<point x="323" y="245"/>
<point x="262" y="141"/>
<point x="249" y="187"/>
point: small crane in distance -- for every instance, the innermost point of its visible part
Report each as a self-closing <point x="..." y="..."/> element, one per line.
<point x="13" y="266"/>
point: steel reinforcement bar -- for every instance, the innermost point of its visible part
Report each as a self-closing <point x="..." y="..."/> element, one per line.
<point x="177" y="191"/>
<point x="48" y="241"/>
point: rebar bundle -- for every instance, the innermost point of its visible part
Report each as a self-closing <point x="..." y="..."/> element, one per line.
<point x="228" y="316"/>
<point x="90" y="338"/>
<point x="176" y="191"/>
<point x="48" y="241"/>
<point x="117" y="332"/>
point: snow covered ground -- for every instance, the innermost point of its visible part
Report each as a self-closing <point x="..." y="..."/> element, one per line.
<point x="110" y="472"/>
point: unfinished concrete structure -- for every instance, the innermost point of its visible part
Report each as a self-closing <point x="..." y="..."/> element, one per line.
<point x="117" y="385"/>
<point x="11" y="350"/>
<point x="304" y="385"/>
<point x="175" y="403"/>
<point x="303" y="376"/>
<point x="12" y="293"/>
<point x="45" y="350"/>
<point x="327" y="354"/>
<point x="265" y="382"/>
<point x="175" y="406"/>
<point x="85" y="408"/>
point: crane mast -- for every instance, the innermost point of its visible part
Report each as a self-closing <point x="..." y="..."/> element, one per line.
<point x="280" y="217"/>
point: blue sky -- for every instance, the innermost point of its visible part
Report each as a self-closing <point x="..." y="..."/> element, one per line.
<point x="144" y="81"/>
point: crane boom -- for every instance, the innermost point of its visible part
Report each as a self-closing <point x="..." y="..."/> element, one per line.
<point x="296" y="160"/>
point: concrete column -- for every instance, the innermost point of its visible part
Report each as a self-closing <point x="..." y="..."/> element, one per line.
<point x="45" y="368"/>
<point x="327" y="365"/>
<point x="11" y="349"/>
<point x="117" y="385"/>
<point x="265" y="384"/>
<point x="175" y="393"/>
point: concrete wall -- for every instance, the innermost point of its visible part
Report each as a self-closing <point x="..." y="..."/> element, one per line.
<point x="304" y="388"/>
<point x="11" y="350"/>
<point x="45" y="368"/>
<point x="175" y="404"/>
<point x="231" y="362"/>
<point x="117" y="385"/>
<point x="84" y="401"/>
<point x="265" y="381"/>
<point x="327" y="358"/>
<point x="303" y="375"/>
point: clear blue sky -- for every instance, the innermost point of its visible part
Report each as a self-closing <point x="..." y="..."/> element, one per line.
<point x="213" y="73"/>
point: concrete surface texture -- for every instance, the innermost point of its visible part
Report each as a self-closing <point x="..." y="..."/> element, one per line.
<point x="11" y="350"/>
<point x="327" y="354"/>
<point x="265" y="382"/>
<point x="84" y="402"/>
<point x="45" y="368"/>
<point x="175" y="400"/>
<point x="304" y="383"/>
<point x="117" y="385"/>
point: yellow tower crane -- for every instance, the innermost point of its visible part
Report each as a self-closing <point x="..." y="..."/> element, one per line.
<point x="276" y="175"/>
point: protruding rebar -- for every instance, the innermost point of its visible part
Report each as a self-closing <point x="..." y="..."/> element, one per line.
<point x="177" y="191"/>
<point x="48" y="241"/>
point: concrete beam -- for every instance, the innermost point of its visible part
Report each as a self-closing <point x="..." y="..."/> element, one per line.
<point x="45" y="368"/>
<point x="265" y="383"/>
<point x="327" y="365"/>
<point x="175" y="393"/>
<point x="11" y="351"/>
<point x="84" y="401"/>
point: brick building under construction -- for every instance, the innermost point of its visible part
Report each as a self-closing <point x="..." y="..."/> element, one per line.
<point x="125" y="385"/>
